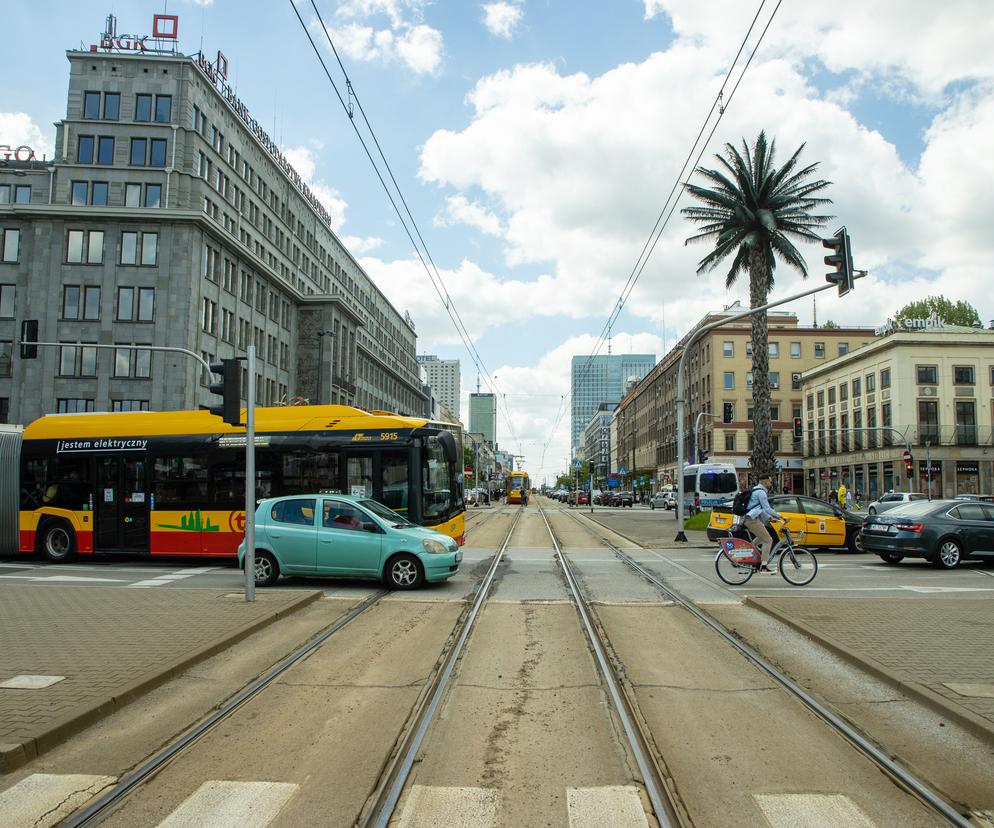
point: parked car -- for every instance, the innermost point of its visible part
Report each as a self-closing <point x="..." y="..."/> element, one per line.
<point x="825" y="525"/>
<point x="582" y="499"/>
<point x="663" y="500"/>
<point x="893" y="499"/>
<point x="344" y="536"/>
<point x="941" y="531"/>
<point x="623" y="499"/>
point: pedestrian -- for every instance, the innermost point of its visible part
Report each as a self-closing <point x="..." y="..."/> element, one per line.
<point x="842" y="495"/>
<point x="849" y="499"/>
<point x="755" y="520"/>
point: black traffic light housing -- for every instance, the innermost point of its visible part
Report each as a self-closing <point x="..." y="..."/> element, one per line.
<point x="29" y="334"/>
<point x="909" y="465"/>
<point x="841" y="259"/>
<point x="229" y="389"/>
<point x="797" y="428"/>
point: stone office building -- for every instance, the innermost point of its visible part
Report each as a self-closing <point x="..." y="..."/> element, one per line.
<point x="168" y="217"/>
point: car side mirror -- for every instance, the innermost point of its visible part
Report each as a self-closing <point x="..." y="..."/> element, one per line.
<point x="370" y="526"/>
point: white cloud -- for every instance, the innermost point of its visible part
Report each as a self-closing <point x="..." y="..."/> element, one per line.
<point x="357" y="245"/>
<point x="17" y="129"/>
<point x="460" y="210"/>
<point x="302" y="159"/>
<point x="502" y="18"/>
<point x="387" y="31"/>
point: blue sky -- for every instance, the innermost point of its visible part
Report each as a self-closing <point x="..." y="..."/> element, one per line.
<point x="536" y="141"/>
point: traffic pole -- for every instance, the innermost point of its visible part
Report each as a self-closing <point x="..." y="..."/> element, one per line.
<point x="250" y="477"/>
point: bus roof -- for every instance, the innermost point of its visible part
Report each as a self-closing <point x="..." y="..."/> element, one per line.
<point x="519" y="474"/>
<point x="154" y="423"/>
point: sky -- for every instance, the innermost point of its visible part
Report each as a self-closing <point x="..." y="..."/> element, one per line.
<point x="536" y="142"/>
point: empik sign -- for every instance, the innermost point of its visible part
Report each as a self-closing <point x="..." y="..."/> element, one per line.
<point x="909" y="324"/>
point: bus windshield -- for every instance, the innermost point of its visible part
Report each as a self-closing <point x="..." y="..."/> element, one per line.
<point x="436" y="482"/>
<point x="718" y="482"/>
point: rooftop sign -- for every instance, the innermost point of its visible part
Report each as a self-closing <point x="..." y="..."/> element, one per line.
<point x="165" y="27"/>
<point x="910" y="324"/>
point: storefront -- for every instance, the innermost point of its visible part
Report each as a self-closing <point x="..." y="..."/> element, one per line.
<point x="967" y="477"/>
<point x="931" y="477"/>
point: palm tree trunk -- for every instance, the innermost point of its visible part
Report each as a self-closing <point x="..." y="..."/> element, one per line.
<point x="762" y="449"/>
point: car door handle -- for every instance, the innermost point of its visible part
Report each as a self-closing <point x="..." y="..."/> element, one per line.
<point x="326" y="540"/>
<point x="273" y="534"/>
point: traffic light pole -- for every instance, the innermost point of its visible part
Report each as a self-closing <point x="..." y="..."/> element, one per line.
<point x="250" y="476"/>
<point x="681" y="536"/>
<point x="197" y="357"/>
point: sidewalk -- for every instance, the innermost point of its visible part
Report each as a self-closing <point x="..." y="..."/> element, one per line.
<point x="937" y="650"/>
<point x="110" y="645"/>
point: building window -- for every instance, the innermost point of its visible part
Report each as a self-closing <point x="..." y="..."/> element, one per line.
<point x="871" y="427"/>
<point x="129" y="405"/>
<point x="795" y="350"/>
<point x="112" y="106"/>
<point x="964" y="375"/>
<point x="79" y="192"/>
<point x="773" y="349"/>
<point x="208" y="316"/>
<point x="75" y="361"/>
<point x="729" y="380"/>
<point x="132" y="362"/>
<point x="871" y="383"/>
<point x="84" y="149"/>
<point x="885" y="377"/>
<point x="81" y="302"/>
<point x="163" y="108"/>
<point x="143" y="107"/>
<point x="209" y="264"/>
<point x="139" y="248"/>
<point x="157" y="152"/>
<point x="821" y="398"/>
<point x="6" y="357"/>
<point x="928" y="421"/>
<point x="857" y="388"/>
<point x="885" y="422"/>
<point x="4" y="193"/>
<point x="7" y="294"/>
<point x="98" y="194"/>
<point x="132" y="195"/>
<point x="22" y="194"/>
<point x="105" y="150"/>
<point x="153" y="195"/>
<point x="135" y="304"/>
<point x="748" y="379"/>
<point x="831" y="395"/>
<point x="844" y="392"/>
<point x="749" y="349"/>
<point x="966" y="423"/>
<point x="139" y="148"/>
<point x="4" y="409"/>
<point x="927" y="374"/>
<point x="74" y="405"/>
<point x="10" y="245"/>
<point x="226" y="319"/>
<point x="85" y="246"/>
<point x="774" y="379"/>
<point x="728" y="349"/>
<point x="91" y="105"/>
<point x="843" y="348"/>
<point x="819" y="350"/>
<point x="729" y="441"/>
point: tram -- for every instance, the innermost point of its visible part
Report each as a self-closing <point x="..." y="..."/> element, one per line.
<point x="518" y="488"/>
<point x="173" y="483"/>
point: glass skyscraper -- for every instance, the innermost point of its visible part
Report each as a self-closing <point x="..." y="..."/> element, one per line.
<point x="601" y="379"/>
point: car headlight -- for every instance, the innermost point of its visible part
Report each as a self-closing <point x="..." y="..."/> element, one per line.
<point x="434" y="546"/>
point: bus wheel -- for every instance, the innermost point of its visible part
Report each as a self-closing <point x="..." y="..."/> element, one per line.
<point x="58" y="541"/>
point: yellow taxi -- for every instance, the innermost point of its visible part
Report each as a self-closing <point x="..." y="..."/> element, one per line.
<point x="825" y="525"/>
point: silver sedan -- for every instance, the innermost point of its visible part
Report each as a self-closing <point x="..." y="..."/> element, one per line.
<point x="892" y="499"/>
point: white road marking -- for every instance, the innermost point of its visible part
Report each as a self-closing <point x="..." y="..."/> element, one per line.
<point x="222" y="804"/>
<point x="30" y="682"/>
<point x="928" y="589"/>
<point x="974" y="691"/>
<point x="74" y="579"/>
<point x="610" y="805"/>
<point x="152" y="583"/>
<point x="811" y="811"/>
<point x="171" y="577"/>
<point x="54" y="795"/>
<point x="466" y="807"/>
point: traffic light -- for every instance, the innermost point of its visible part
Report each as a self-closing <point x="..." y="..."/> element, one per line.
<point x="909" y="464"/>
<point x="797" y="428"/>
<point x="841" y="260"/>
<point x="29" y="334"/>
<point x="229" y="389"/>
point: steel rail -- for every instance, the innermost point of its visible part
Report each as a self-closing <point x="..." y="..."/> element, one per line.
<point x="663" y="806"/>
<point x="152" y="766"/>
<point x="395" y="779"/>
<point x="904" y="778"/>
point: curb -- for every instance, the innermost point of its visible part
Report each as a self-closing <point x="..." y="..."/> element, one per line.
<point x="12" y="756"/>
<point x="970" y="721"/>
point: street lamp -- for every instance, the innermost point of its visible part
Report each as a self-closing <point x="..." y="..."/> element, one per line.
<point x="697" y="426"/>
<point x="321" y="335"/>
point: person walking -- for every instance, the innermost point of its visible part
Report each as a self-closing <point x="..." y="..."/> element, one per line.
<point x="759" y="512"/>
<point x="842" y="495"/>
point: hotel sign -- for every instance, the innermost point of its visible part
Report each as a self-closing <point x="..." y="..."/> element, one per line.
<point x="910" y="324"/>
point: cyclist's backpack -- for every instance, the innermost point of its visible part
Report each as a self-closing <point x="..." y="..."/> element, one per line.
<point x="740" y="505"/>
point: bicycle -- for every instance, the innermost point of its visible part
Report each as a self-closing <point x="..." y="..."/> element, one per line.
<point x="737" y="560"/>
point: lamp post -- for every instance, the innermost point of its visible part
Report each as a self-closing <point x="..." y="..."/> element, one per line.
<point x="697" y="426"/>
<point x="321" y="336"/>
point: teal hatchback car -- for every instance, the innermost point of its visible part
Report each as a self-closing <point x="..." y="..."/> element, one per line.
<point x="350" y="537"/>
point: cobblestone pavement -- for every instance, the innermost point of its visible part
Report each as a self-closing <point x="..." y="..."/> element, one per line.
<point x="938" y="649"/>
<point x="109" y="645"/>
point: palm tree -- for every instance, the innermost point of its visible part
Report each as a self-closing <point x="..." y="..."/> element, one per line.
<point x="753" y="211"/>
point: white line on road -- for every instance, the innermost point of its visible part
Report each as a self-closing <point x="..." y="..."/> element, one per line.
<point x="223" y="804"/>
<point x="811" y="811"/>
<point x="610" y="805"/>
<point x="65" y="579"/>
<point x="466" y="807"/>
<point x="51" y="795"/>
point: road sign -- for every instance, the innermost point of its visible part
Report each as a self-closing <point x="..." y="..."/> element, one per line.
<point x="622" y="471"/>
<point x="907" y="456"/>
<point x="577" y="463"/>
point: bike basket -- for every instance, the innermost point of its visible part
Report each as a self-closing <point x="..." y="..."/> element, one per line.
<point x="740" y="551"/>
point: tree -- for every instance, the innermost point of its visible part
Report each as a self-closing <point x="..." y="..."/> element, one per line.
<point x="830" y="325"/>
<point x="960" y="313"/>
<point x="752" y="213"/>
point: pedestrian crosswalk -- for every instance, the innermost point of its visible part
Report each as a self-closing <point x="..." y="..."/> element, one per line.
<point x="172" y="577"/>
<point x="48" y="796"/>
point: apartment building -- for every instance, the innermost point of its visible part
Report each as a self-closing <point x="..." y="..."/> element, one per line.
<point x="443" y="377"/>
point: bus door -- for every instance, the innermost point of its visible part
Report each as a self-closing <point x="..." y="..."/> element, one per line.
<point x="121" y="505"/>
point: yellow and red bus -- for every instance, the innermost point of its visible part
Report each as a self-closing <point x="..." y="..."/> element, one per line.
<point x="173" y="483"/>
<point x="518" y="488"/>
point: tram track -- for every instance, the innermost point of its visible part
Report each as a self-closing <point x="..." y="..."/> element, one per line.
<point x="909" y="782"/>
<point x="114" y="796"/>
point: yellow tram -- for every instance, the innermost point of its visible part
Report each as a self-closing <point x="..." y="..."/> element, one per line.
<point x="518" y="488"/>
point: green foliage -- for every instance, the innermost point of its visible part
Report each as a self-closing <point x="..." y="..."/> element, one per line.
<point x="467" y="458"/>
<point x="830" y="324"/>
<point x="958" y="313"/>
<point x="698" y="521"/>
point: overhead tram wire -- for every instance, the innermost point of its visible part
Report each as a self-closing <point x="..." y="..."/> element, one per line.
<point x="435" y="278"/>
<point x="677" y="189"/>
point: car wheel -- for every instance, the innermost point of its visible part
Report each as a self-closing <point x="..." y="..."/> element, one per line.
<point x="58" y="541"/>
<point x="856" y="541"/>
<point x="873" y="511"/>
<point x="267" y="570"/>
<point x="404" y="571"/>
<point x="948" y="555"/>
<point x="891" y="557"/>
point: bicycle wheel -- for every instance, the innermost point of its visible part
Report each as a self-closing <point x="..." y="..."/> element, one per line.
<point x="797" y="566"/>
<point x="730" y="572"/>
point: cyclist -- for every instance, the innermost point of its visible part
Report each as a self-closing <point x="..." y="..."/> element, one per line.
<point x="755" y="520"/>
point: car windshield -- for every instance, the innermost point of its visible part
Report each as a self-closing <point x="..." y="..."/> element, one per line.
<point x="381" y="511"/>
